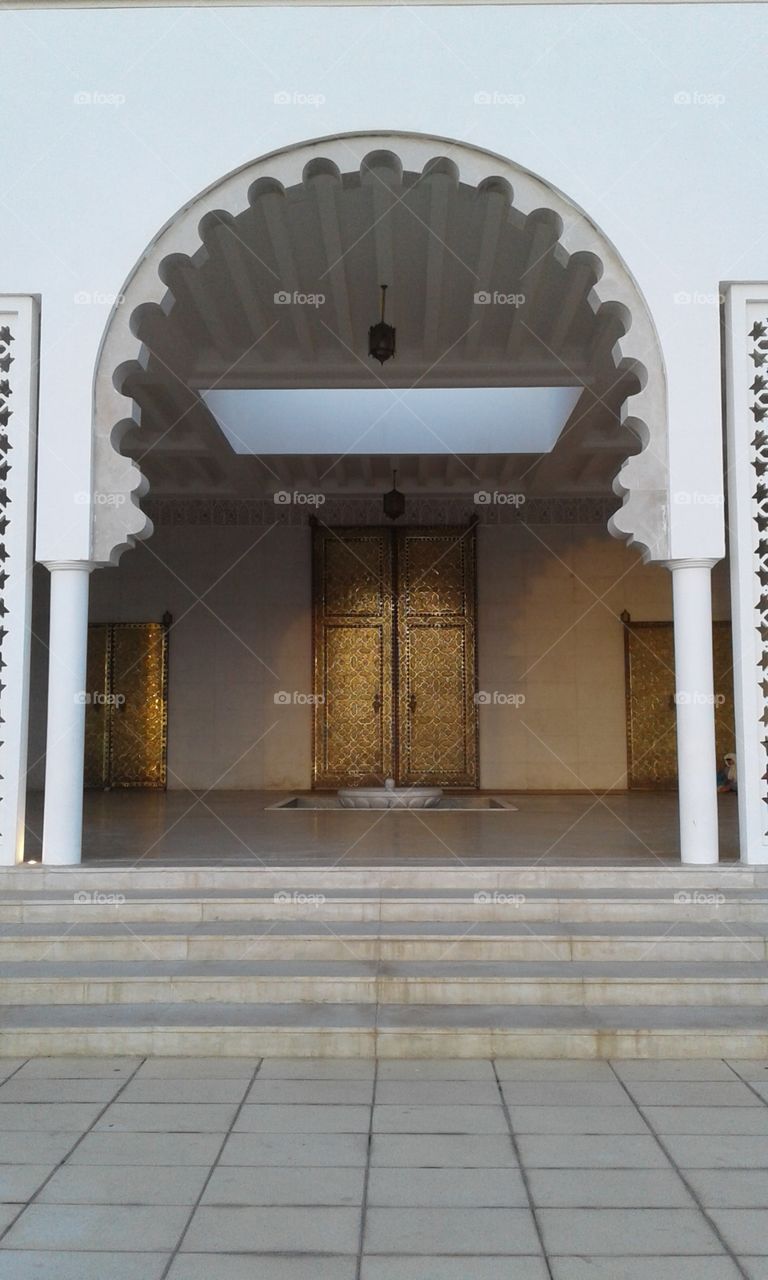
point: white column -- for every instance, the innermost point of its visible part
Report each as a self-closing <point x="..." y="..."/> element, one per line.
<point x="695" y="707"/>
<point x="68" y="650"/>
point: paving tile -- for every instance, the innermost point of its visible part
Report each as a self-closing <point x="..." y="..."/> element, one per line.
<point x="745" y="1230"/>
<point x="434" y="1267"/>
<point x="74" y="1068"/>
<point x="756" y="1268"/>
<point x="42" y="1089"/>
<point x="444" y="1188"/>
<point x="125" y="1184"/>
<point x="656" y="1268"/>
<point x="30" y="1264"/>
<point x="7" y="1213"/>
<point x="451" y="1231"/>
<point x="731" y="1188"/>
<point x="538" y="1070"/>
<point x="10" y="1065"/>
<point x="623" y="1151"/>
<point x="198" y="1068"/>
<point x="577" y="1120"/>
<point x="316" y="1069"/>
<point x="456" y="1119"/>
<point x="608" y="1188"/>
<point x="468" y="1093"/>
<point x="166" y="1117"/>
<point x="19" y="1181"/>
<point x="761" y="1087"/>
<point x="274" y="1230"/>
<point x="325" y="1092"/>
<point x="566" y="1093"/>
<point x="721" y="1152"/>
<point x="260" y="1266"/>
<point x="627" y="1231"/>
<point x="694" y="1093"/>
<point x="251" y="1185"/>
<point x="36" y="1148"/>
<point x="435" y="1069"/>
<point x="152" y="1089"/>
<point x="313" y="1150"/>
<point x="672" y="1069"/>
<point x="754" y="1069"/>
<point x="147" y="1148"/>
<point x="296" y="1118"/>
<point x="708" y="1120"/>
<point x="441" y="1151"/>
<point x="59" y="1226"/>
<point x="64" y="1117"/>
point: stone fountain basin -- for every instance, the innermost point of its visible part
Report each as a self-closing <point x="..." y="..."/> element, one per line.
<point x="390" y="797"/>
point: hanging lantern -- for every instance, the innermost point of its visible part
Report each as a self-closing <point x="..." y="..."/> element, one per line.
<point x="394" y="501"/>
<point x="381" y="336"/>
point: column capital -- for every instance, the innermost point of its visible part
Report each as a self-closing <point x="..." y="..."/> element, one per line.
<point x="689" y="562"/>
<point x="59" y="565"/>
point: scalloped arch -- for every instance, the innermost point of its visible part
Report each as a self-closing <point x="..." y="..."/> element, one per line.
<point x="643" y="480"/>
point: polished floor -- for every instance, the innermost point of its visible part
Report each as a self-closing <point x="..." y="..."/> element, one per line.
<point x="297" y="1169"/>
<point x="225" y="827"/>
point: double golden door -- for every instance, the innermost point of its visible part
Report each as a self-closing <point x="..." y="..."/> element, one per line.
<point x="126" y="705"/>
<point x="394" y="656"/>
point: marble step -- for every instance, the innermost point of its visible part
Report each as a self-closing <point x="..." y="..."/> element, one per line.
<point x="537" y="905"/>
<point x="105" y="877"/>
<point x="368" y="1030"/>
<point x="362" y="982"/>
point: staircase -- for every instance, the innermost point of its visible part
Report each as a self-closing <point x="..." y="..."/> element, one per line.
<point x="522" y="962"/>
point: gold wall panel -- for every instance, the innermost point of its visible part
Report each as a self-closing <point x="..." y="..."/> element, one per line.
<point x="649" y="650"/>
<point x="394" y="656"/>
<point x="126" y="724"/>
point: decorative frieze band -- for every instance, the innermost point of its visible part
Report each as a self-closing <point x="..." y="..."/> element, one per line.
<point x="499" y="509"/>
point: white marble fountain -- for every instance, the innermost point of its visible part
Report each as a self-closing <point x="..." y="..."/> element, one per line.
<point x="390" y="796"/>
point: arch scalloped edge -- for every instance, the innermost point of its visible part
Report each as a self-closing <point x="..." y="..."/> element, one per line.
<point x="643" y="519"/>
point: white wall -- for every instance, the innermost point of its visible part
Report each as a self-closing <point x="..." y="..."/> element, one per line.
<point x="540" y="633"/>
<point x="644" y="115"/>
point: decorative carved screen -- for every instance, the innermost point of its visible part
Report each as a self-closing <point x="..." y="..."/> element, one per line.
<point x="649" y="651"/>
<point x="394" y="656"/>
<point x="126" y="709"/>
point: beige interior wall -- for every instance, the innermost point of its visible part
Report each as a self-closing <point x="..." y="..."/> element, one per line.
<point x="549" y="598"/>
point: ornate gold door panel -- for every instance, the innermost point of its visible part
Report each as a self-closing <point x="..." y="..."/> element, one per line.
<point x="649" y="650"/>
<point x="437" y="724"/>
<point x="352" y="656"/>
<point x="394" y="656"/>
<point x="126" y="714"/>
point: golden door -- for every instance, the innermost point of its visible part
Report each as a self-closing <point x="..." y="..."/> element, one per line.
<point x="394" y="656"/>
<point x="649" y="653"/>
<point x="126" y="705"/>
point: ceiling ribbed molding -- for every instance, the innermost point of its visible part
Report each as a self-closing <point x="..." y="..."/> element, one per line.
<point x="585" y="314"/>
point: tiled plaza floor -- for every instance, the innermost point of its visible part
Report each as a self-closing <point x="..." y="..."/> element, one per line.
<point x="222" y="1169"/>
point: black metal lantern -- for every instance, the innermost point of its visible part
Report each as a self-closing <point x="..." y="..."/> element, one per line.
<point x="394" y="501"/>
<point x="381" y="336"/>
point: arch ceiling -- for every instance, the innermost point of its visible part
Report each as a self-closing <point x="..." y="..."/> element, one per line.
<point x="440" y="223"/>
